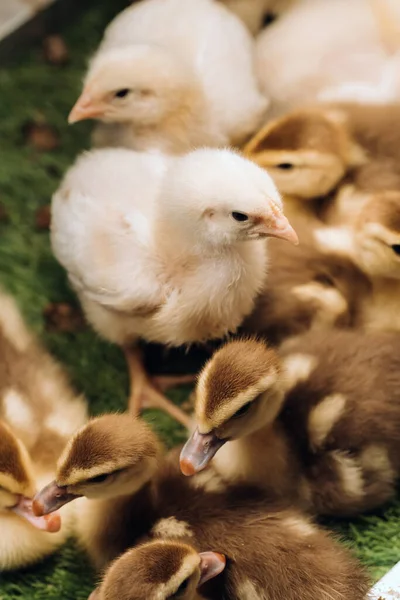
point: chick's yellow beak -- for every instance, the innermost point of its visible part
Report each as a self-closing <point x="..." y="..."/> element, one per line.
<point x="198" y="452"/>
<point x="277" y="226"/>
<point x="86" y="108"/>
<point x="51" y="498"/>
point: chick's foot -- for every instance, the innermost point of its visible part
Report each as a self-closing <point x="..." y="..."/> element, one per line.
<point x="146" y="392"/>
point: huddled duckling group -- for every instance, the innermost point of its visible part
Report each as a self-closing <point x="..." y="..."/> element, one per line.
<point x="164" y="234"/>
<point x="185" y="532"/>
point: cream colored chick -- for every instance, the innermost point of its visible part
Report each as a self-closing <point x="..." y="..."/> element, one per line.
<point x="173" y="75"/>
<point x="38" y="412"/>
<point x="189" y="527"/>
<point x="167" y="249"/>
<point x="372" y="242"/>
<point x="316" y="422"/>
<point x="319" y="46"/>
<point x="256" y="12"/>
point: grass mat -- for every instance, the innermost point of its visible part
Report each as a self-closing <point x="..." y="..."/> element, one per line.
<point x="31" y="89"/>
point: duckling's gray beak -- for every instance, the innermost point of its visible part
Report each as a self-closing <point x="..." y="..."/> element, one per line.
<point x="51" y="498"/>
<point x="198" y="451"/>
<point x="211" y="565"/>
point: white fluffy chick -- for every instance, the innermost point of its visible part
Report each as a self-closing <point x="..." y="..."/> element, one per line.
<point x="330" y="50"/>
<point x="255" y="12"/>
<point x="165" y="248"/>
<point x="173" y="75"/>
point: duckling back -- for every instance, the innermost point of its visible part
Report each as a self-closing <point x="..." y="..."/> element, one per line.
<point x="272" y="551"/>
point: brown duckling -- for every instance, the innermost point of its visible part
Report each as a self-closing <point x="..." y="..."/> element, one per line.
<point x="38" y="413"/>
<point x="159" y="569"/>
<point x="260" y="566"/>
<point x="311" y="151"/>
<point x="316" y="421"/>
<point x="307" y="152"/>
<point x="372" y="242"/>
<point x="306" y="289"/>
<point x="271" y="551"/>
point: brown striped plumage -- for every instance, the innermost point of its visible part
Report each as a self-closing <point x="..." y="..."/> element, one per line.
<point x="185" y="518"/>
<point x="324" y="432"/>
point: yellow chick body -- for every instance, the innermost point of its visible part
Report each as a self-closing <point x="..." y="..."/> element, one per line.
<point x="168" y="249"/>
<point x="173" y="75"/>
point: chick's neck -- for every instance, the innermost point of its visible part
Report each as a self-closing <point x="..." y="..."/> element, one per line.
<point x="188" y="124"/>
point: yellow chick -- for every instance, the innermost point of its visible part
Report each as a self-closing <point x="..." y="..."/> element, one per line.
<point x="173" y="75"/>
<point x="170" y="249"/>
<point x="331" y="50"/>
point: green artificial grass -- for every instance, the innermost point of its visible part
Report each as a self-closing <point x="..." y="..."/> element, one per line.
<point x="31" y="89"/>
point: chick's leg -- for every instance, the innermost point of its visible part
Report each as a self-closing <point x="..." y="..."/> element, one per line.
<point x="144" y="393"/>
<point x="165" y="382"/>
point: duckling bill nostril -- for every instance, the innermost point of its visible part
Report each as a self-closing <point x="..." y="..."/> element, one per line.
<point x="198" y="452"/>
<point x="51" y="498"/>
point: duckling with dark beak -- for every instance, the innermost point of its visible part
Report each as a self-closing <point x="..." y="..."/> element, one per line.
<point x="157" y="534"/>
<point x="303" y="421"/>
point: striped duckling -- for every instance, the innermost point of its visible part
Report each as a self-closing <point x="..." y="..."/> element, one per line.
<point x="371" y="241"/>
<point x="307" y="152"/>
<point x="316" y="422"/>
<point x="188" y="538"/>
<point x="38" y="413"/>
<point x="307" y="288"/>
<point x="312" y="151"/>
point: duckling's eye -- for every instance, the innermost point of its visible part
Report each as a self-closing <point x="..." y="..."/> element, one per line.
<point x="285" y="166"/>
<point x="242" y="411"/>
<point x="238" y="216"/>
<point x="181" y="589"/>
<point x="98" y="478"/>
<point x="122" y="93"/>
<point x="396" y="249"/>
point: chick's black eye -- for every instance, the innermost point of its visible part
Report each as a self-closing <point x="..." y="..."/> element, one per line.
<point x="122" y="93"/>
<point x="238" y="216"/>
<point x="285" y="166"/>
<point x="98" y="478"/>
<point x="396" y="249"/>
<point x="242" y="411"/>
